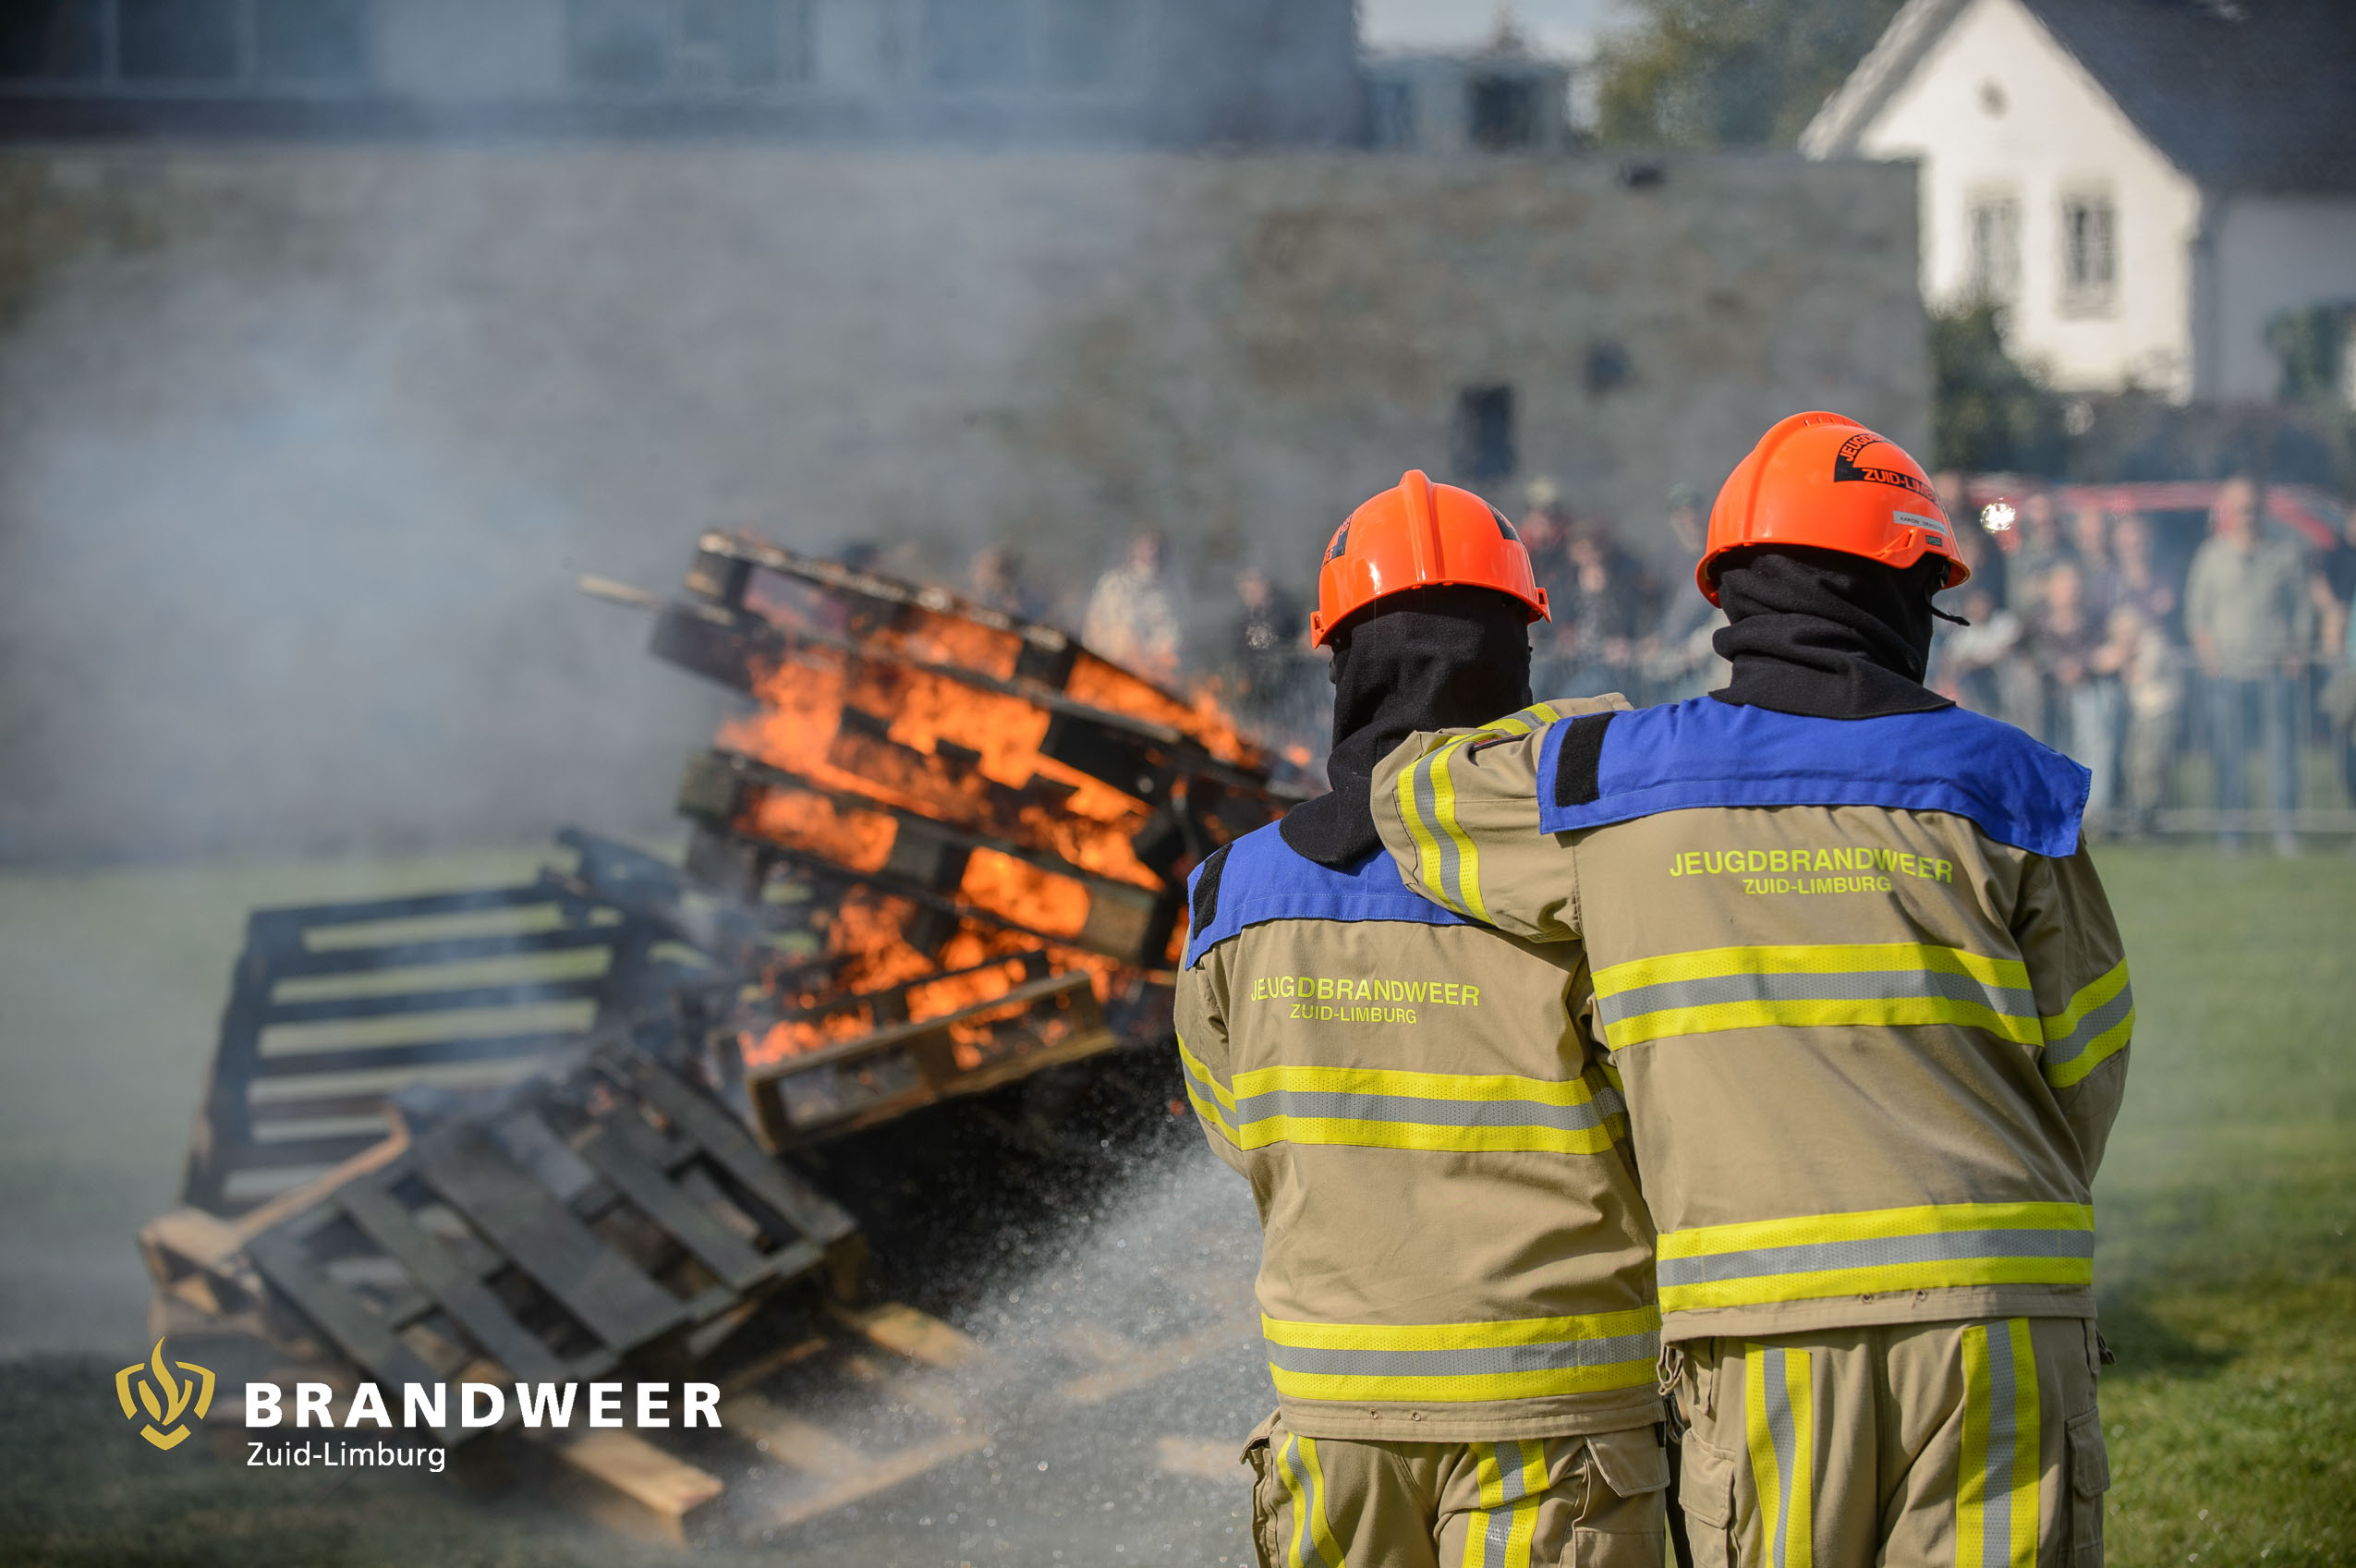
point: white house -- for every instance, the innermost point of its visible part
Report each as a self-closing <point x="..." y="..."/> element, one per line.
<point x="2145" y="184"/>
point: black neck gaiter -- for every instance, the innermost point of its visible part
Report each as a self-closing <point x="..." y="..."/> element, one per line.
<point x="1827" y="635"/>
<point x="1428" y="659"/>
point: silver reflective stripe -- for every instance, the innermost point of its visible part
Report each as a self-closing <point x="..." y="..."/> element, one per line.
<point x="1514" y="1489"/>
<point x="1847" y="985"/>
<point x="1308" y="1505"/>
<point x="1933" y="1246"/>
<point x="2092" y="1027"/>
<point x="1332" y="1105"/>
<point x="1781" y="1432"/>
<point x="2004" y="1439"/>
<point x="1451" y="863"/>
<point x="1476" y="1361"/>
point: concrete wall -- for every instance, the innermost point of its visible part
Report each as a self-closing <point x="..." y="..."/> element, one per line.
<point x="1160" y="72"/>
<point x="301" y="448"/>
<point x="1997" y="107"/>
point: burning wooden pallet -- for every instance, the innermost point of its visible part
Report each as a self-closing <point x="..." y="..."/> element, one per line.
<point x="945" y="852"/>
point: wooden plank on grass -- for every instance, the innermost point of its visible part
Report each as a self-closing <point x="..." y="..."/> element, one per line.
<point x="794" y="1200"/>
<point x="522" y="1219"/>
<point x="906" y="1330"/>
<point x="637" y="1486"/>
<point x="611" y="1152"/>
<point x="454" y="1287"/>
<point x="338" y="1314"/>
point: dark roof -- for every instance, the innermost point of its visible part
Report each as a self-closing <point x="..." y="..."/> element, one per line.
<point x="2242" y="94"/>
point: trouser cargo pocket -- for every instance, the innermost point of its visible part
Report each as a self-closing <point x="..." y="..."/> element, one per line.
<point x="1267" y="1492"/>
<point x="1705" y="1488"/>
<point x="1619" y="1523"/>
<point x="2089" y="1461"/>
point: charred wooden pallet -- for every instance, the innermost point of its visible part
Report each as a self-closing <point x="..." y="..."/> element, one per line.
<point x="607" y="1218"/>
<point x="334" y="1006"/>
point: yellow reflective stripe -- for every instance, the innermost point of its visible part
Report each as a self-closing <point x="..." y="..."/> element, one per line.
<point x="1303" y="1478"/>
<point x="1996" y="1495"/>
<point x="1320" y="1531"/>
<point x="2068" y="1058"/>
<point x="1553" y="1383"/>
<point x="1381" y="1108"/>
<point x="1828" y="959"/>
<point x="1928" y="1247"/>
<point x="1431" y="854"/>
<point x="2065" y="1023"/>
<point x="1202" y="1092"/>
<point x="1488" y="1474"/>
<point x="1875" y="1223"/>
<point x="1942" y="1274"/>
<point x="1500" y="1532"/>
<point x="1884" y="1013"/>
<point x="1459" y="1336"/>
<point x="1336" y="1132"/>
<point x="1468" y="1086"/>
<point x="1457" y="1363"/>
<point x="2099" y="1049"/>
<point x="1468" y="855"/>
<point x="1779" y="1417"/>
<point x="1428" y="854"/>
<point x="1871" y="984"/>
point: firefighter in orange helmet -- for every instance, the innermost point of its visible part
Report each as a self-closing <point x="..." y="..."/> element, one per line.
<point x="1858" y="980"/>
<point x="1455" y="1285"/>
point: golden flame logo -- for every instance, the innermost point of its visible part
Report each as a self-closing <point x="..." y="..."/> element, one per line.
<point x="165" y="1398"/>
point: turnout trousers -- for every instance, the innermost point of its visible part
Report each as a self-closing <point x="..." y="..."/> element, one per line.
<point x="1975" y="1444"/>
<point x="1588" y="1501"/>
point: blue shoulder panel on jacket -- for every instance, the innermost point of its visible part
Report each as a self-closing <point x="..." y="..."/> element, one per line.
<point x="1266" y="878"/>
<point x="1707" y="753"/>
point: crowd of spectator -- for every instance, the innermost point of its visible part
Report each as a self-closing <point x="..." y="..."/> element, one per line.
<point x="2090" y="636"/>
<point x="2083" y="628"/>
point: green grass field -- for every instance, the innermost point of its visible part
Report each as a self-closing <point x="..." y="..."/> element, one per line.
<point x="2225" y="1266"/>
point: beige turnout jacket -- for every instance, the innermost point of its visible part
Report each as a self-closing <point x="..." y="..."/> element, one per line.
<point x="1857" y="979"/>
<point x="1454" y="1250"/>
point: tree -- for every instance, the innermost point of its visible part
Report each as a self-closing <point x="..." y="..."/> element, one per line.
<point x="1730" y="73"/>
<point x="1989" y="412"/>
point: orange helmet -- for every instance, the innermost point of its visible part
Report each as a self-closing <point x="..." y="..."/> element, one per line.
<point x="1826" y="480"/>
<point x="1418" y="534"/>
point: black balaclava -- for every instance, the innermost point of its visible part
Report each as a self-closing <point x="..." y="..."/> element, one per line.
<point x="1428" y="659"/>
<point x="1827" y="635"/>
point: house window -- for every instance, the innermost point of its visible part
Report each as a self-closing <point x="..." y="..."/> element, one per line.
<point x="1504" y="111"/>
<point x="728" y="44"/>
<point x="620" y="43"/>
<point x="176" y="40"/>
<point x="1390" y="106"/>
<point x="695" y="45"/>
<point x="1082" y="43"/>
<point x="1993" y="265"/>
<point x="311" y="40"/>
<point x="971" y="44"/>
<point x="1484" y="433"/>
<point x="52" y="40"/>
<point x="2089" y="255"/>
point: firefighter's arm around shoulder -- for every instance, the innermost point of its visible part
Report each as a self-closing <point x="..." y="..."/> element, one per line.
<point x="2078" y="974"/>
<point x="1203" y="1059"/>
<point x="1458" y="810"/>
